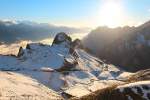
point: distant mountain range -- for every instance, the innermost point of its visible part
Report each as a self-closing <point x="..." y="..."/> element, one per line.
<point x="128" y="47"/>
<point x="12" y="31"/>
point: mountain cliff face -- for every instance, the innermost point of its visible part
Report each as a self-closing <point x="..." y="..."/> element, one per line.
<point x="64" y="67"/>
<point x="128" y="47"/>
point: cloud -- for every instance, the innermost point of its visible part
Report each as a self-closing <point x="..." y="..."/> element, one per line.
<point x="12" y="31"/>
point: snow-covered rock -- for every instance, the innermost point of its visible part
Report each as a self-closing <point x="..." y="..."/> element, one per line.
<point x="137" y="90"/>
<point x="80" y="90"/>
<point x="131" y="91"/>
<point x="61" y="66"/>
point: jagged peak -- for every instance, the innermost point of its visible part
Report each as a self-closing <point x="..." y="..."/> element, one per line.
<point x="62" y="37"/>
<point x="77" y="43"/>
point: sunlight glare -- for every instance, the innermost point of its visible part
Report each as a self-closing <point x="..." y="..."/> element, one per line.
<point x="111" y="14"/>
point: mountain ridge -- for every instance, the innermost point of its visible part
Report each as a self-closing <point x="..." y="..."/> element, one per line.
<point x="13" y="31"/>
<point x="125" y="47"/>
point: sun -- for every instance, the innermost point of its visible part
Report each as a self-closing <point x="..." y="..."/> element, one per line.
<point x="111" y="14"/>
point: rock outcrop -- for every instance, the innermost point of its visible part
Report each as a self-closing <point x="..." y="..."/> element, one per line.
<point x="62" y="38"/>
<point x="142" y="75"/>
<point x="20" y="52"/>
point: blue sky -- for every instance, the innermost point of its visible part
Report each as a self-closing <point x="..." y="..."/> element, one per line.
<point x="71" y="12"/>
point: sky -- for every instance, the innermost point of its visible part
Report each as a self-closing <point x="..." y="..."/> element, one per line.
<point x="77" y="13"/>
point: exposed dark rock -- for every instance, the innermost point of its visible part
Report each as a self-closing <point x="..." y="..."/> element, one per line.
<point x="140" y="75"/>
<point x="65" y="95"/>
<point x="77" y="44"/>
<point x="21" y="52"/>
<point x="28" y="46"/>
<point x="68" y="66"/>
<point x="139" y="90"/>
<point x="145" y="87"/>
<point x="62" y="37"/>
<point x="148" y="95"/>
<point x="73" y="53"/>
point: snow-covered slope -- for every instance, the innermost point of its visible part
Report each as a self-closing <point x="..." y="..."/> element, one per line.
<point x="15" y="86"/>
<point x="64" y="67"/>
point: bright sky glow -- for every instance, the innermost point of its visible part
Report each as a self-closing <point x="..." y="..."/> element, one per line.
<point x="111" y="14"/>
<point x="78" y="13"/>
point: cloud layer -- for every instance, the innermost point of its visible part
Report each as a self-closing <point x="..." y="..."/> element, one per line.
<point x="11" y="31"/>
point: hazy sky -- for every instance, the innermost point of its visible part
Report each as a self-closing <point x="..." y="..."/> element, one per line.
<point x="85" y="13"/>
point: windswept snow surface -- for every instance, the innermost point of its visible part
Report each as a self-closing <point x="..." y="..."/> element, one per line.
<point x="45" y="64"/>
<point x="80" y="90"/>
<point x="15" y="86"/>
